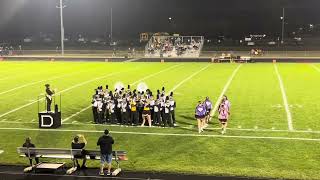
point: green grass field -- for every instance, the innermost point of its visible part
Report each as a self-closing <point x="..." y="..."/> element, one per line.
<point x="258" y="143"/>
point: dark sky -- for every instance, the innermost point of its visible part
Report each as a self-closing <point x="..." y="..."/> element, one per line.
<point x="198" y="17"/>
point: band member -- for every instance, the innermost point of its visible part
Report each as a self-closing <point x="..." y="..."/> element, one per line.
<point x="157" y="113"/>
<point x="200" y="114"/>
<point x="151" y="104"/>
<point x="79" y="142"/>
<point x="49" y="94"/>
<point x="100" y="110"/>
<point x="167" y="114"/>
<point x="208" y="105"/>
<point x="162" y="107"/>
<point x="223" y="117"/>
<point x="112" y="112"/>
<point x="134" y="112"/>
<point x="172" y="109"/>
<point x="95" y="108"/>
<point x="146" y="114"/>
<point x="124" y="111"/>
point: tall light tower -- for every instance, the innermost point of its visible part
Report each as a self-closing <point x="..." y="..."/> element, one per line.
<point x="61" y="6"/>
<point x="282" y="27"/>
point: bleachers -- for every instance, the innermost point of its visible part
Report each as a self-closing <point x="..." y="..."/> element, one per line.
<point x="174" y="46"/>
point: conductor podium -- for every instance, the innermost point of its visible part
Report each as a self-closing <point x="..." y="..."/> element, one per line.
<point x="49" y="119"/>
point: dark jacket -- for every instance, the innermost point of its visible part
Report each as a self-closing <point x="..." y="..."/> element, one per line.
<point x="105" y="142"/>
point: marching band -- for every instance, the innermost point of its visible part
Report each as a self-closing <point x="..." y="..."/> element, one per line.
<point x="127" y="107"/>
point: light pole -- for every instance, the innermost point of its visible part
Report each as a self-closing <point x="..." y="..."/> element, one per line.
<point x="61" y="6"/>
<point x="282" y="28"/>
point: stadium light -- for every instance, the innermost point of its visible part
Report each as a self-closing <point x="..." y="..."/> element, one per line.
<point x="282" y="27"/>
<point x="61" y="6"/>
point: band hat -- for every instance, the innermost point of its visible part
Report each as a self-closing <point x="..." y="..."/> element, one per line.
<point x="47" y="85"/>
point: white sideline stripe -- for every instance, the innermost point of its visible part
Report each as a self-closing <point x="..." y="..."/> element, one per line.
<point x="188" y="78"/>
<point x="65" y="90"/>
<point x="179" y="127"/>
<point x="149" y="76"/>
<point x="76" y="176"/>
<point x="29" y="84"/>
<point x="224" y="90"/>
<point x="285" y="100"/>
<point x="1" y="151"/>
<point x="165" y="134"/>
<point x="315" y="67"/>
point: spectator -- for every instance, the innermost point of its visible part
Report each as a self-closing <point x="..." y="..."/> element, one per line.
<point x="77" y="144"/>
<point x="105" y="142"/>
<point x="31" y="155"/>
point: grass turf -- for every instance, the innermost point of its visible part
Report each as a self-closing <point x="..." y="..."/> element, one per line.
<point x="254" y="93"/>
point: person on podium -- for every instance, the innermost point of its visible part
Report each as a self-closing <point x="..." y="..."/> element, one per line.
<point x="49" y="94"/>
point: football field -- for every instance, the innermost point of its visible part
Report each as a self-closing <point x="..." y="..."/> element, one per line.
<point x="273" y="131"/>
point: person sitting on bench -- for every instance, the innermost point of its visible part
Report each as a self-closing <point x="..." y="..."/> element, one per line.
<point x="31" y="154"/>
<point x="79" y="142"/>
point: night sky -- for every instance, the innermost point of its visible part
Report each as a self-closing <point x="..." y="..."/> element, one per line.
<point x="235" y="18"/>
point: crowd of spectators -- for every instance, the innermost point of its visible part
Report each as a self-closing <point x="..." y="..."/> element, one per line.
<point x="166" y="46"/>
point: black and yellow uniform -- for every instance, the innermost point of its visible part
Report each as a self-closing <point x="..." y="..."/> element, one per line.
<point x="134" y="113"/>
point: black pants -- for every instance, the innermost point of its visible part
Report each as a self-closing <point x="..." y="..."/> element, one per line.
<point x="113" y="118"/>
<point x="100" y="117"/>
<point x="35" y="158"/>
<point x="49" y="104"/>
<point x="173" y="117"/>
<point x="134" y="117"/>
<point x="95" y="114"/>
<point x="157" y="118"/>
<point x="167" y="119"/>
<point x="124" y="117"/>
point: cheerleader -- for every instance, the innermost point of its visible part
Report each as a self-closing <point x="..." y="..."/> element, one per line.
<point x="208" y="105"/>
<point x="223" y="117"/>
<point x="146" y="114"/>
<point x="200" y="114"/>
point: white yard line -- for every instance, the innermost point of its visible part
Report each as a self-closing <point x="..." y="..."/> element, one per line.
<point x="181" y="127"/>
<point x="165" y="134"/>
<point x="146" y="77"/>
<point x="284" y="97"/>
<point x="315" y="67"/>
<point x="224" y="90"/>
<point x="75" y="114"/>
<point x="37" y="82"/>
<point x="151" y="75"/>
<point x="187" y="79"/>
<point x="65" y="90"/>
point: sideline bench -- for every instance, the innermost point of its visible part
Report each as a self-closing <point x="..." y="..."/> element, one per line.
<point x="56" y="153"/>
